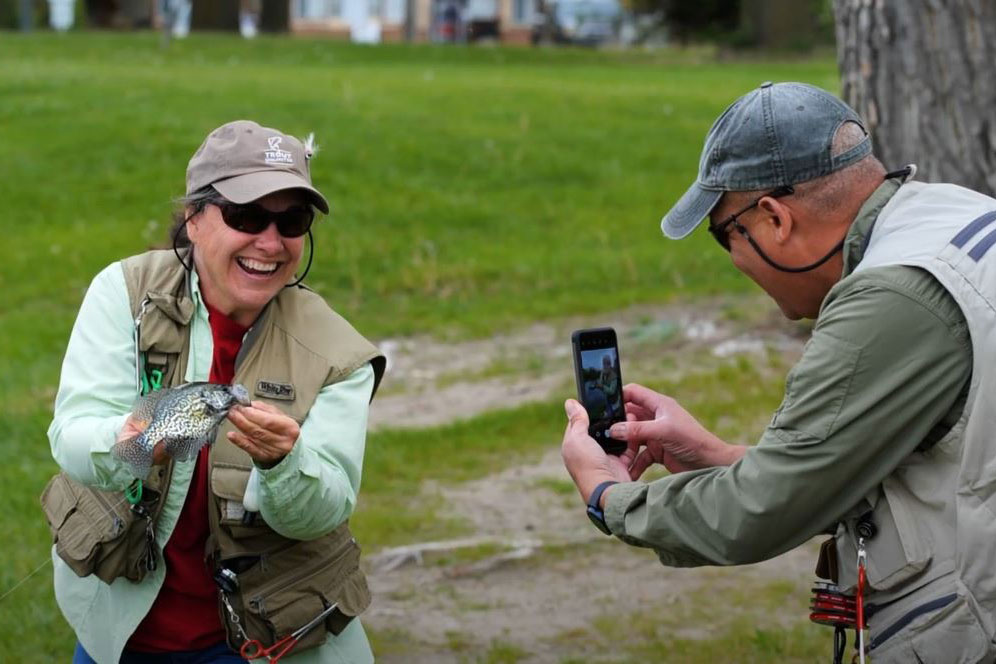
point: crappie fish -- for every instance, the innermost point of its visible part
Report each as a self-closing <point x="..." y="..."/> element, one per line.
<point x="184" y="418"/>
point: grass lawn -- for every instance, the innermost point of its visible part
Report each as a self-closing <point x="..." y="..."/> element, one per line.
<point x="472" y="190"/>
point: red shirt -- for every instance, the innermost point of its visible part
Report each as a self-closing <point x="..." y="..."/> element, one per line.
<point x="185" y="613"/>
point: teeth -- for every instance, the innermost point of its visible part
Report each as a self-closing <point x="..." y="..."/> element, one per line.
<point x="258" y="266"/>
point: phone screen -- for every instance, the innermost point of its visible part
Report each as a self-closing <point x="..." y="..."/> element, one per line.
<point x="599" y="381"/>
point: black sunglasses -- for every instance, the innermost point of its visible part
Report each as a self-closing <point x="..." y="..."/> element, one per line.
<point x="719" y="230"/>
<point x="252" y="218"/>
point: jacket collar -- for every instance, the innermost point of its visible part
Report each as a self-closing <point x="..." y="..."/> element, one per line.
<point x="860" y="232"/>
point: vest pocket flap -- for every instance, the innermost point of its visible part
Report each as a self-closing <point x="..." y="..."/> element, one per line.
<point x="354" y="598"/>
<point x="229" y="482"/>
<point x="76" y="540"/>
<point x="904" y="551"/>
<point x="295" y="615"/>
<point x="896" y="553"/>
<point x="58" y="500"/>
<point x="161" y="332"/>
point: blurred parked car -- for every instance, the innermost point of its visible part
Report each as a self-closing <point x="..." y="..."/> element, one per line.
<point x="582" y="22"/>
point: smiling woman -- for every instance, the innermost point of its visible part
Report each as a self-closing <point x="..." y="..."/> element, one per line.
<point x="247" y="253"/>
<point x="268" y="501"/>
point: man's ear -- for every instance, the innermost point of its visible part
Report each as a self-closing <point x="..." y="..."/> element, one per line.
<point x="779" y="218"/>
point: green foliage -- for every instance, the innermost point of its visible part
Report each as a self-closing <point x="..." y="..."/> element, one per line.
<point x="702" y="19"/>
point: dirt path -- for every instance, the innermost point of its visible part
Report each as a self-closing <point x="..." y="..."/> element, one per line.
<point x="533" y="580"/>
<point x="430" y="383"/>
<point x="543" y="593"/>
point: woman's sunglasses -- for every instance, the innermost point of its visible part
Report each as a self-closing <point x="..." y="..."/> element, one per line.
<point x="252" y="218"/>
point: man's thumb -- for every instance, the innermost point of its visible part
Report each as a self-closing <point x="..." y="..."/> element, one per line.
<point x="575" y="412"/>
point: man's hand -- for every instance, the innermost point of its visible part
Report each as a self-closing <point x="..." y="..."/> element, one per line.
<point x="658" y="430"/>
<point x="585" y="459"/>
<point x="264" y="432"/>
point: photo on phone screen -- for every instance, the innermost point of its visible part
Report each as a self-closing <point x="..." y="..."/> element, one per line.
<point x="599" y="382"/>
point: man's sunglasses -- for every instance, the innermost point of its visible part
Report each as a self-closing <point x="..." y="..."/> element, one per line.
<point x="720" y="232"/>
<point x="252" y="218"/>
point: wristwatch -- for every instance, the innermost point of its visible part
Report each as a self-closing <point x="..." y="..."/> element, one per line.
<point x="595" y="512"/>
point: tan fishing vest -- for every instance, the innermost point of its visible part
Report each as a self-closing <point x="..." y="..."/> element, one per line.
<point x="296" y="347"/>
<point x="931" y="565"/>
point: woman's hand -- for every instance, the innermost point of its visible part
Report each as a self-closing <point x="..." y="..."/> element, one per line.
<point x="658" y="430"/>
<point x="264" y="432"/>
<point x="132" y="428"/>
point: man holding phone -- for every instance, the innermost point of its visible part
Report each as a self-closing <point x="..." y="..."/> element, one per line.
<point x="886" y="437"/>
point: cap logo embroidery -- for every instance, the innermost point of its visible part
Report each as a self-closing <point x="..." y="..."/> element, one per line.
<point x="275" y="155"/>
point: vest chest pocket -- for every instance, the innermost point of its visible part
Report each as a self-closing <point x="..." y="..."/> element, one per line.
<point x="228" y="484"/>
<point x="896" y="553"/>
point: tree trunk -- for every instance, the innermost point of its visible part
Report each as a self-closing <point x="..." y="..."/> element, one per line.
<point x="779" y="23"/>
<point x="275" y="16"/>
<point x="921" y="75"/>
<point x="215" y="15"/>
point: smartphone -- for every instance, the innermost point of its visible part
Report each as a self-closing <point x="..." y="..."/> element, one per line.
<point x="599" y="380"/>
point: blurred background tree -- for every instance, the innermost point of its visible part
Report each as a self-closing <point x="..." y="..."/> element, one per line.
<point x="215" y="15"/>
<point x="920" y="73"/>
<point x="766" y="24"/>
<point x="275" y="16"/>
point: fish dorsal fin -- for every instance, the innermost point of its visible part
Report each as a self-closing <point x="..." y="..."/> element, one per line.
<point x="145" y="406"/>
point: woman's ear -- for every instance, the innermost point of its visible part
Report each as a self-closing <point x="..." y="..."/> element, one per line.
<point x="779" y="216"/>
<point x="193" y="219"/>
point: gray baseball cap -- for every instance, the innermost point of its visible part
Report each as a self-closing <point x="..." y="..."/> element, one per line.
<point x="778" y="134"/>
<point x="245" y="162"/>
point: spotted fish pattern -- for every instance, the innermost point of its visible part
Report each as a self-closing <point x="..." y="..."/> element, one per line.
<point x="183" y="418"/>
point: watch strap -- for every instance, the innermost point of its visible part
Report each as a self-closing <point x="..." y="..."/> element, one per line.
<point x="594" y="510"/>
<point x="595" y="498"/>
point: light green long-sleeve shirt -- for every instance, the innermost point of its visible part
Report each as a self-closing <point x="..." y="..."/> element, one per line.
<point x="885" y="372"/>
<point x="310" y="492"/>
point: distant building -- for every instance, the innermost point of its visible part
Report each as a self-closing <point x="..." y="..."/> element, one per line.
<point x="506" y="21"/>
<point x="432" y="20"/>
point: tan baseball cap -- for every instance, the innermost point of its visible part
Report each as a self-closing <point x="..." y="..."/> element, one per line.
<point x="245" y="162"/>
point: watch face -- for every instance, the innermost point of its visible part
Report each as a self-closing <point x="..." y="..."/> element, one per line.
<point x="598" y="519"/>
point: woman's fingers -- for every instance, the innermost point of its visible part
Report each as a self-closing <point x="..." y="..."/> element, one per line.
<point x="271" y="420"/>
<point x="267" y="407"/>
<point x="261" y="451"/>
<point x="263" y="431"/>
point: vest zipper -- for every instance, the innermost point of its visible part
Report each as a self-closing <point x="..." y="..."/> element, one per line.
<point x="138" y="340"/>
<point x="908" y="617"/>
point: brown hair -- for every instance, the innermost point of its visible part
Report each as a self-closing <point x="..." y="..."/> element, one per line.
<point x="195" y="204"/>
